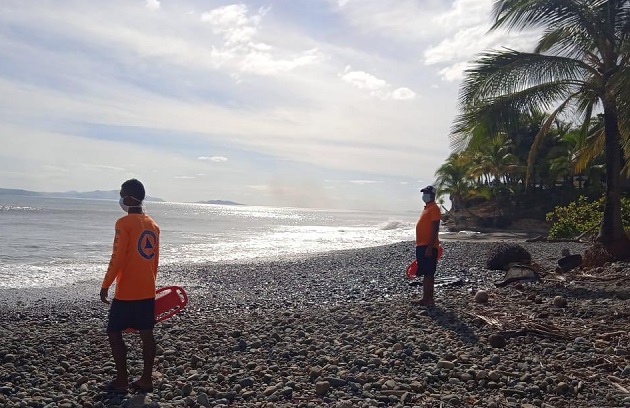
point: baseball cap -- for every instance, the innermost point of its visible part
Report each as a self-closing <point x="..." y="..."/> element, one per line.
<point x="429" y="190"/>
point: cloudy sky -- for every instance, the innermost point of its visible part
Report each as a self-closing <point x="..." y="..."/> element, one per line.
<point x="318" y="103"/>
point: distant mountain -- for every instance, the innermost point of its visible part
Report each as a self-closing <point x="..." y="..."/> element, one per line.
<point x="219" y="202"/>
<point x="97" y="194"/>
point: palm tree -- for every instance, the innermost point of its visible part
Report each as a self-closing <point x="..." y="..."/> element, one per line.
<point x="495" y="160"/>
<point x="452" y="178"/>
<point x="580" y="65"/>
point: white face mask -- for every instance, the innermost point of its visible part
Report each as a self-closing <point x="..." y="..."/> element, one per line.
<point x="126" y="207"/>
<point x="426" y="197"/>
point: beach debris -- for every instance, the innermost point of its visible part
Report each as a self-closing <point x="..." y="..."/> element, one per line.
<point x="502" y="254"/>
<point x="538" y="238"/>
<point x="444" y="281"/>
<point x="569" y="262"/>
<point x="512" y="325"/>
<point x="596" y="256"/>
<point x="519" y="273"/>
<point x="481" y="296"/>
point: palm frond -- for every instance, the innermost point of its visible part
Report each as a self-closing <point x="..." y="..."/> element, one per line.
<point x="507" y="71"/>
<point x="520" y="14"/>
<point x="584" y="105"/>
<point x="540" y="136"/>
<point x="624" y="23"/>
<point x="504" y="113"/>
<point x="593" y="148"/>
<point x="619" y="84"/>
<point x="571" y="42"/>
<point x="584" y="112"/>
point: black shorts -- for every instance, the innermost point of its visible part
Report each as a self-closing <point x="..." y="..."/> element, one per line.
<point x="131" y="314"/>
<point x="426" y="265"/>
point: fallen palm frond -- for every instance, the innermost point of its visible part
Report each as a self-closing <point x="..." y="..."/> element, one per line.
<point x="603" y="278"/>
<point x="609" y="336"/>
<point x="620" y="387"/>
<point x="521" y="325"/>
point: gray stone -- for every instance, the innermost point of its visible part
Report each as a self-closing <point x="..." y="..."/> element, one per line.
<point x="247" y="382"/>
<point x="335" y="382"/>
<point x="494" y="376"/>
<point x="203" y="399"/>
<point x="269" y="390"/>
<point x="9" y="358"/>
<point x="481" y="296"/>
<point x="497" y="341"/>
<point x="187" y="389"/>
<point x="449" y="365"/>
<point x="322" y="387"/>
<point x="560" y="302"/>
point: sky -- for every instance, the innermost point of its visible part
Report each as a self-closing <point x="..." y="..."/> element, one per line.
<point x="322" y="103"/>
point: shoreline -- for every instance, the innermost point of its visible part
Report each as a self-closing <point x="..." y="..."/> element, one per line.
<point x="339" y="329"/>
<point x="189" y="275"/>
<point x="81" y="290"/>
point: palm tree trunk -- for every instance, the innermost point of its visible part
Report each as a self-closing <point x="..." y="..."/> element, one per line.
<point x="611" y="232"/>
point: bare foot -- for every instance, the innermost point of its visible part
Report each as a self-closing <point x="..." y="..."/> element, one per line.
<point x="116" y="385"/>
<point x="141" y="385"/>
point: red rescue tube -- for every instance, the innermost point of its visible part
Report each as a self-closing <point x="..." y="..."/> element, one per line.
<point x="412" y="268"/>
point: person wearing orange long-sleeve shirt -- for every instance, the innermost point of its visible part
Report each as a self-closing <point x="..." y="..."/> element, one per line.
<point x="427" y="244"/>
<point x="133" y="266"/>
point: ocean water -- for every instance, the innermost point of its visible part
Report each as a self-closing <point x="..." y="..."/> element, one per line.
<point x="48" y="242"/>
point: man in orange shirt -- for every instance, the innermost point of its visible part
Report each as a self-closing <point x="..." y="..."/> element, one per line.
<point x="427" y="243"/>
<point x="133" y="266"/>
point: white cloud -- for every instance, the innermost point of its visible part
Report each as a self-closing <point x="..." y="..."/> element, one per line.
<point x="184" y="177"/>
<point x="466" y="13"/>
<point x="216" y="159"/>
<point x="233" y="23"/>
<point x="259" y="187"/>
<point x="375" y="86"/>
<point x="99" y="167"/>
<point x="363" y="80"/>
<point x="264" y="63"/>
<point x="469" y="22"/>
<point x="400" y="20"/>
<point x="152" y="4"/>
<point x="363" y="182"/>
<point x="403" y="94"/>
<point x="454" y="72"/>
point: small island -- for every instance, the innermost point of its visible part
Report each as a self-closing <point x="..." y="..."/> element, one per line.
<point x="91" y="195"/>
<point x="219" y="202"/>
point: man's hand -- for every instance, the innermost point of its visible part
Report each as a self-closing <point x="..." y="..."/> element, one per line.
<point x="428" y="253"/>
<point x="104" y="292"/>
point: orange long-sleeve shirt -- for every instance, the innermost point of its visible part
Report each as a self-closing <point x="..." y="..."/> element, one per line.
<point x="430" y="213"/>
<point x="135" y="258"/>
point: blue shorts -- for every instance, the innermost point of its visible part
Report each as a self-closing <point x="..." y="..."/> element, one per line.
<point x="426" y="266"/>
<point x="131" y="314"/>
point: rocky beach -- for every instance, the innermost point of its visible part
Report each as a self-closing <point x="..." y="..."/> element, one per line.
<point x="338" y="330"/>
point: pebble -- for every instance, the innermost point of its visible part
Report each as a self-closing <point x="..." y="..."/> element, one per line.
<point x="481" y="296"/>
<point x="496" y="341"/>
<point x="560" y="301"/>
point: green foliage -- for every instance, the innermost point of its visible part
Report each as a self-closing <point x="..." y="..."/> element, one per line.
<point x="581" y="216"/>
